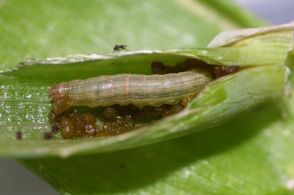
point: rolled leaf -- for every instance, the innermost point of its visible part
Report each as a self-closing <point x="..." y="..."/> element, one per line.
<point x="260" y="52"/>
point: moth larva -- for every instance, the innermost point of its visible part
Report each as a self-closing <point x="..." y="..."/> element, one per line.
<point x="124" y="89"/>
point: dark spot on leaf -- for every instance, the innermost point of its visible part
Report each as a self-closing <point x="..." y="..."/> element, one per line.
<point x="110" y="113"/>
<point x="55" y="128"/>
<point x="119" y="48"/>
<point x="220" y="71"/>
<point x="18" y="135"/>
<point x="158" y="67"/>
<point x="48" y="135"/>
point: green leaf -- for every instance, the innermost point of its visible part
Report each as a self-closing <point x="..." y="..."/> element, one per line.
<point x="251" y="155"/>
<point x="220" y="100"/>
<point x="57" y="28"/>
<point x="67" y="28"/>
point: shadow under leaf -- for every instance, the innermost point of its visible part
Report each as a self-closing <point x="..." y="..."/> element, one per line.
<point x="133" y="169"/>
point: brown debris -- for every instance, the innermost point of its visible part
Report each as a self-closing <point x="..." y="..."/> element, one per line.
<point x="55" y="128"/>
<point x="159" y="68"/>
<point x="173" y="109"/>
<point x="48" y="135"/>
<point x="119" y="47"/>
<point x="119" y="119"/>
<point x="77" y="125"/>
<point x="220" y="71"/>
<point x="120" y="125"/>
<point x="109" y="113"/>
<point x="116" y="120"/>
<point x="18" y="135"/>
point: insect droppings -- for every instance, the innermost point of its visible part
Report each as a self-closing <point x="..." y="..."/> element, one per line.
<point x="128" y="101"/>
<point x="159" y="68"/>
<point x="48" y="135"/>
<point x="220" y="71"/>
<point x="77" y="125"/>
<point x="55" y="128"/>
<point x="110" y="113"/>
<point x="18" y="135"/>
<point x="119" y="48"/>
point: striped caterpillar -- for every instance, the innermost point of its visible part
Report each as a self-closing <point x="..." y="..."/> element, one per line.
<point x="124" y="89"/>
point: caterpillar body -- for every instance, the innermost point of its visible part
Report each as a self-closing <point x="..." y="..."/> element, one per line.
<point x="124" y="89"/>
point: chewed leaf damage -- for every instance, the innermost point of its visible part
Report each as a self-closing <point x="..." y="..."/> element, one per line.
<point x="226" y="81"/>
<point x="124" y="102"/>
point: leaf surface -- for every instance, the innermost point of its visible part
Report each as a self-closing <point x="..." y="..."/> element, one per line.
<point x="250" y="155"/>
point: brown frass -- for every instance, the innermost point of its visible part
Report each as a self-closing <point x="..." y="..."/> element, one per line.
<point x="105" y="121"/>
<point x="18" y="135"/>
<point x="220" y="71"/>
<point x="48" y="135"/>
<point x="118" y="47"/>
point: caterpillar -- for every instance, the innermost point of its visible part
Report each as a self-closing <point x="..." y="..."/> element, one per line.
<point x="124" y="89"/>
